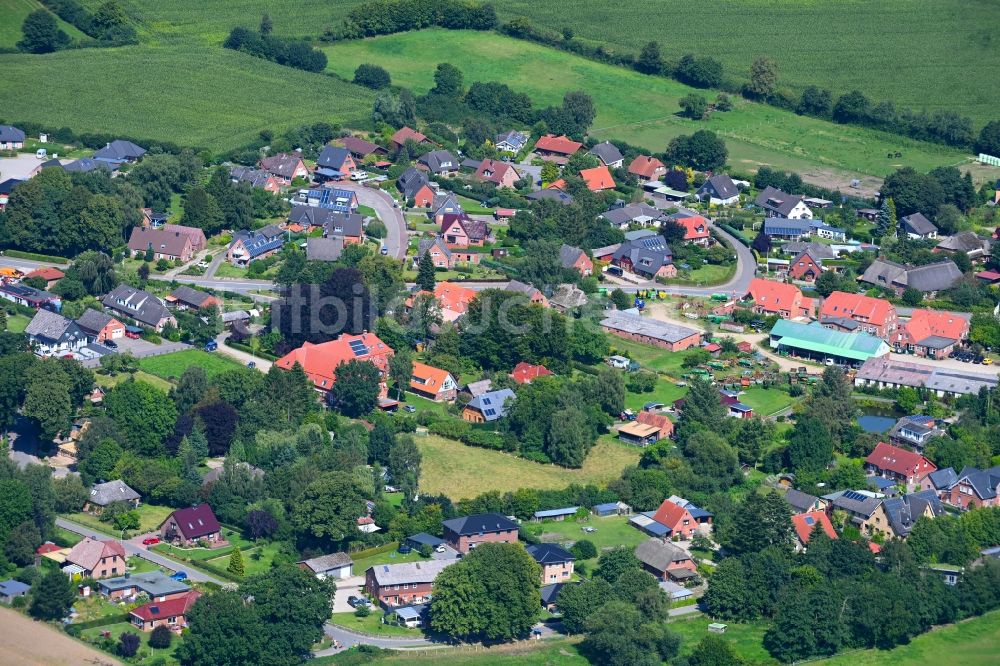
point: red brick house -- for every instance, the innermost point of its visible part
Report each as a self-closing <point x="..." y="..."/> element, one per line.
<point x="100" y="325"/>
<point x="647" y="167"/>
<point x="805" y="267"/>
<point x="433" y="383"/>
<point x="523" y="372"/>
<point x="320" y="361"/>
<point x="96" y="559"/>
<point x="465" y="533"/>
<point x="973" y="488"/>
<point x="169" y="245"/>
<point x="191" y="526"/>
<point x="931" y="333"/>
<point x="285" y="166"/>
<point x="677" y="519"/>
<point x="171" y="613"/>
<point x="893" y="462"/>
<point x="873" y="315"/>
<point x="393" y="585"/>
<point x="460" y="230"/>
<point x="778" y="298"/>
<point x="500" y="173"/>
<point x="666" y="561"/>
<point x="805" y="523"/>
<point x="577" y="259"/>
<point x="556" y="562"/>
<point x="405" y="134"/>
<point x="556" y="148"/>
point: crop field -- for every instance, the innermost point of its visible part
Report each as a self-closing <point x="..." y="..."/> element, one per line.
<point x="641" y="109"/>
<point x="12" y="15"/>
<point x="932" y="54"/>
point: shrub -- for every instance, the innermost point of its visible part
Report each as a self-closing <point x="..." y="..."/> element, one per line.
<point x="161" y="637"/>
<point x="128" y="644"/>
<point x="371" y="76"/>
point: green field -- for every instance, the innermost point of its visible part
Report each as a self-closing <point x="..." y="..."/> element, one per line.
<point x="459" y="471"/>
<point x="151" y="516"/>
<point x="610" y="532"/>
<point x="923" y="54"/>
<point x="372" y="625"/>
<point x="17" y="323"/>
<point x="766" y="401"/>
<point x="173" y="365"/>
<point x="14" y="12"/>
<point x="647" y="115"/>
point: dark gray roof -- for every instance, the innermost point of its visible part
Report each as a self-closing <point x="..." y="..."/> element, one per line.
<point x="481" y="522"/>
<point x="607" y="152"/>
<point x="983" y="482"/>
<point x="341" y="225"/>
<point x="333" y="157"/>
<point x="423" y="538"/>
<point x="647" y="255"/>
<point x="256" y="177"/>
<point x="138" y="304"/>
<point x="721" y="185"/>
<point x="624" y="215"/>
<point x="316" y="216"/>
<point x="773" y="199"/>
<point x="324" y="249"/>
<point x="492" y="404"/>
<point x="817" y="251"/>
<point x="260" y="241"/>
<point x="85" y="165"/>
<point x="189" y="296"/>
<point x="904" y="511"/>
<point x="916" y="223"/>
<point x="549" y="553"/>
<point x="800" y="500"/>
<point x="858" y="503"/>
<point x="410" y="181"/>
<point x="521" y="288"/>
<point x="666" y="331"/>
<point x="7" y="186"/>
<point x="943" y="478"/>
<point x="427" y="243"/>
<point x="780" y="226"/>
<point x="120" y="151"/>
<point x="9" y="133"/>
<point x="103" y="494"/>
<point x="514" y="138"/>
<point x="439" y="161"/>
<point x="965" y="241"/>
<point x="930" y="277"/>
<point x="554" y="195"/>
<point x="92" y="321"/>
<point x="409" y="572"/>
<point x="659" y="555"/>
<point x="53" y="327"/>
<point x="844" y="323"/>
<point x="326" y="562"/>
<point x="550" y="593"/>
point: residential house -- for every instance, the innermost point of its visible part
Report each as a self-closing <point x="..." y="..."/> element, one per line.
<point x="463" y="231"/>
<point x="917" y="227"/>
<point x="624" y="216"/>
<point x="556" y="562"/>
<point x="193" y="525"/>
<point x="337" y="566"/>
<point x="512" y="141"/>
<point x="324" y="249"/>
<point x="100" y="325"/>
<point x="92" y="558"/>
<point x="452" y="298"/>
<point x="695" y="227"/>
<point x="608" y="154"/>
<point x="597" y="179"/>
<point x="821" y="230"/>
<point x="556" y="148"/>
<point x="974" y="488"/>
<point x="476" y="389"/>
<point x="977" y="249"/>
<point x="550" y="195"/>
<point x="255" y="178"/>
<point x="872" y="315"/>
<point x="488" y="407"/>
<point x="665" y="428"/>
<point x="682" y="518"/>
<point x="719" y="190"/>
<point x="864" y="510"/>
<point x="778" y="298"/>
<point x="415" y="186"/>
<point x="928" y="279"/>
<point x="139" y="305"/>
<point x="51" y="334"/>
<point x="433" y="383"/>
<point x="6" y="187"/>
<point x="806" y="267"/>
<point x="441" y="255"/>
<point x="119" y="152"/>
<point x="567" y="297"/>
<point x="30" y="297"/>
<point x="649" y="257"/>
<point x="348" y="228"/>
<point x="172" y="246"/>
<point x="154" y="584"/>
<point x="805" y="523"/>
<point x="103" y="495"/>
<point x="665" y="335"/>
<point x="524" y="373"/>
<point x="576" y="259"/>
<point x="49" y="274"/>
<point x="533" y="293"/>
<point x="286" y="167"/>
<point x="943" y="381"/>
<point x="392" y="585"/>
<point x="646" y="167"/>
<point x="439" y="163"/>
<point x="320" y="361"/>
<point x="501" y="174"/>
<point x="11" y="589"/>
<point x="666" y="561"/>
<point x="337" y="199"/>
<point x="803" y="502"/>
<point x="87" y="164"/>
<point x="782" y="205"/>
<point x="932" y="333"/>
<point x="550" y="595"/>
<point x="466" y="532"/>
<point x="334" y="163"/>
<point x="421" y="539"/>
<point x="611" y="509"/>
<point x="170" y="613"/>
<point x="255" y="245"/>
<point x="11" y="138"/>
<point x="194" y="234"/>
<point x="819" y="343"/>
<point x="780" y="228"/>
<point x="445" y="203"/>
<point x="898" y="464"/>
<point x="404" y="134"/>
<point x="915" y="431"/>
<point x="904" y="511"/>
<point x="188" y="298"/>
<point x="360" y="148"/>
<point x="639" y="434"/>
<point x="303" y="218"/>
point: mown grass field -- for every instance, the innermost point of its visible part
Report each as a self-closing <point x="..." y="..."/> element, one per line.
<point x="151" y="516"/>
<point x="172" y="366"/>
<point x="637" y="108"/>
<point x="459" y="471"/>
<point x="107" y="381"/>
<point x="610" y="531"/>
<point x="931" y="54"/>
<point x="12" y="15"/>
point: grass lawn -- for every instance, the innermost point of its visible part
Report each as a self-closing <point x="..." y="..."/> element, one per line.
<point x="746" y="639"/>
<point x="706" y="275"/>
<point x="611" y="531"/>
<point x="390" y="557"/>
<point x="173" y="365"/>
<point x="146" y="654"/>
<point x="651" y="358"/>
<point x="766" y="401"/>
<point x="17" y="323"/>
<point x="151" y="516"/>
<point x="251" y="563"/>
<point x="373" y="625"/>
<point x="461" y="471"/>
<point x="13" y="13"/>
<point x="666" y="392"/>
<point x="556" y="652"/>
<point x="65" y="537"/>
<point x="107" y="381"/>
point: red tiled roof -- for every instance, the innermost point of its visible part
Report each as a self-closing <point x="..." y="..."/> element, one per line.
<point x="320" y="361"/>
<point x="892" y="458"/>
<point x="89" y="552"/>
<point x="161" y="610"/>
<point x="713" y="347"/>
<point x="558" y="144"/>
<point x="597" y="179"/>
<point x="988" y="275"/>
<point x="407" y="134"/>
<point x="453" y="297"/>
<point x="645" y="166"/>
<point x="523" y="372"/>
<point x="670" y="514"/>
<point x="47" y="547"/>
<point x="775" y="296"/>
<point x="47" y="274"/>
<point x="877" y="311"/>
<point x="196" y="521"/>
<point x="804" y="523"/>
<point x="695" y="227"/>
<point x="925" y="323"/>
<point x="660" y="421"/>
<point x="433" y="378"/>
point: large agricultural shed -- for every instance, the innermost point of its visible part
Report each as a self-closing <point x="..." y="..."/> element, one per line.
<point x="815" y="341"/>
<point x="889" y="373"/>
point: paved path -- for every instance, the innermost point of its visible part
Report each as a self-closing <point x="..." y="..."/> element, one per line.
<point x="348" y="639"/>
<point x="243" y="357"/>
<point x="391" y="216"/>
<point x="142" y="552"/>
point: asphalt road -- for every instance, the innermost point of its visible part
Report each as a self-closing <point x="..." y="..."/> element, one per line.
<point x="391" y="216"/>
<point x="140" y="551"/>
<point x="261" y="364"/>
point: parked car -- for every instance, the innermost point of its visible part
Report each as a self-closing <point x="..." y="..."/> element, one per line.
<point x="354" y="601"/>
<point x="251" y="364"/>
<point x="150" y="541"/>
<point x="384" y="250"/>
<point x="111" y="344"/>
<point x="211" y="346"/>
<point x="588" y="529"/>
<point x="440" y="549"/>
<point x="179" y="575"/>
<point x="409" y="408"/>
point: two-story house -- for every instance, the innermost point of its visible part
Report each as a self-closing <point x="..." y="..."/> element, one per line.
<point x="556" y="562"/>
<point x="404" y="584"/>
<point x="892" y="462"/>
<point x="781" y="204"/>
<point x="433" y="383"/>
<point x="95" y="559"/>
<point x="851" y="312"/>
<point x="463" y="231"/>
<point x="666" y="561"/>
<point x="465" y="533"/>
<point x="193" y="525"/>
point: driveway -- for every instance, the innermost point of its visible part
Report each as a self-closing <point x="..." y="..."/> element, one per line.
<point x="261" y="364"/>
<point x="347" y="587"/>
<point x="140" y="551"/>
<point x="391" y="216"/>
<point x="20" y="167"/>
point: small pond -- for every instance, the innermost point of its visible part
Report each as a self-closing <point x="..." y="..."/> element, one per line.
<point x="875" y="422"/>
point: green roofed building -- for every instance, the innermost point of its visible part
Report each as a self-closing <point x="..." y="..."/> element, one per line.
<point x="816" y="342"/>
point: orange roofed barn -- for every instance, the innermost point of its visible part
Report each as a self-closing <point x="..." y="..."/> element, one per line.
<point x="858" y="312"/>
<point x="779" y="298"/>
<point x="320" y="361"/>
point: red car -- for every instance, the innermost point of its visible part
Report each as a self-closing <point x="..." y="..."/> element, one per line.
<point x="150" y="541"/>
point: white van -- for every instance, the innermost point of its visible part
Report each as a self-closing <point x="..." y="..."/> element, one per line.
<point x="359" y="175"/>
<point x="41" y="153"/>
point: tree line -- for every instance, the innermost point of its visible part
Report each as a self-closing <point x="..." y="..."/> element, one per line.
<point x="284" y="51"/>
<point x="384" y="17"/>
<point x="109" y="25"/>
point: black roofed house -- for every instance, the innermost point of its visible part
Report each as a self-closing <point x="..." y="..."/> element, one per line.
<point x="6" y="187"/>
<point x="418" y="541"/>
<point x="11" y="138"/>
<point x="975" y="248"/>
<point x="104" y="494"/>
<point x="257" y="178"/>
<point x="445" y="203"/>
<point x="248" y="246"/>
<point x="310" y="216"/>
<point x="347" y="227"/>
<point x="904" y="511"/>
<point x="51" y="334"/>
<point x="940" y="481"/>
<point x="415" y="185"/>
<point x="334" y="163"/>
<point x="119" y="152"/>
<point x="556" y="562"/>
<point x="193" y="525"/>
<point x="336" y="565"/>
<point x="649" y="257"/>
<point x="185" y="298"/>
<point x="139" y="305"/>
<point x="917" y="227"/>
<point x="465" y="533"/>
<point x="550" y="595"/>
<point x="719" y="190"/>
<point x="781" y="204"/>
<point x="30" y="297"/>
<point x="324" y="249"/>
<point x="100" y="325"/>
<point x="86" y="165"/>
<point x="439" y="163"/>
<point x="609" y="154"/>
<point x="803" y="502"/>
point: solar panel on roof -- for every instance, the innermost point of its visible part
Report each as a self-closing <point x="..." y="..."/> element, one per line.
<point x="490" y="412"/>
<point x="810" y="520"/>
<point x="850" y="494"/>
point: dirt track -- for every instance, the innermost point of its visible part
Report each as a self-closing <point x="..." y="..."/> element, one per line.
<point x="26" y="642"/>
